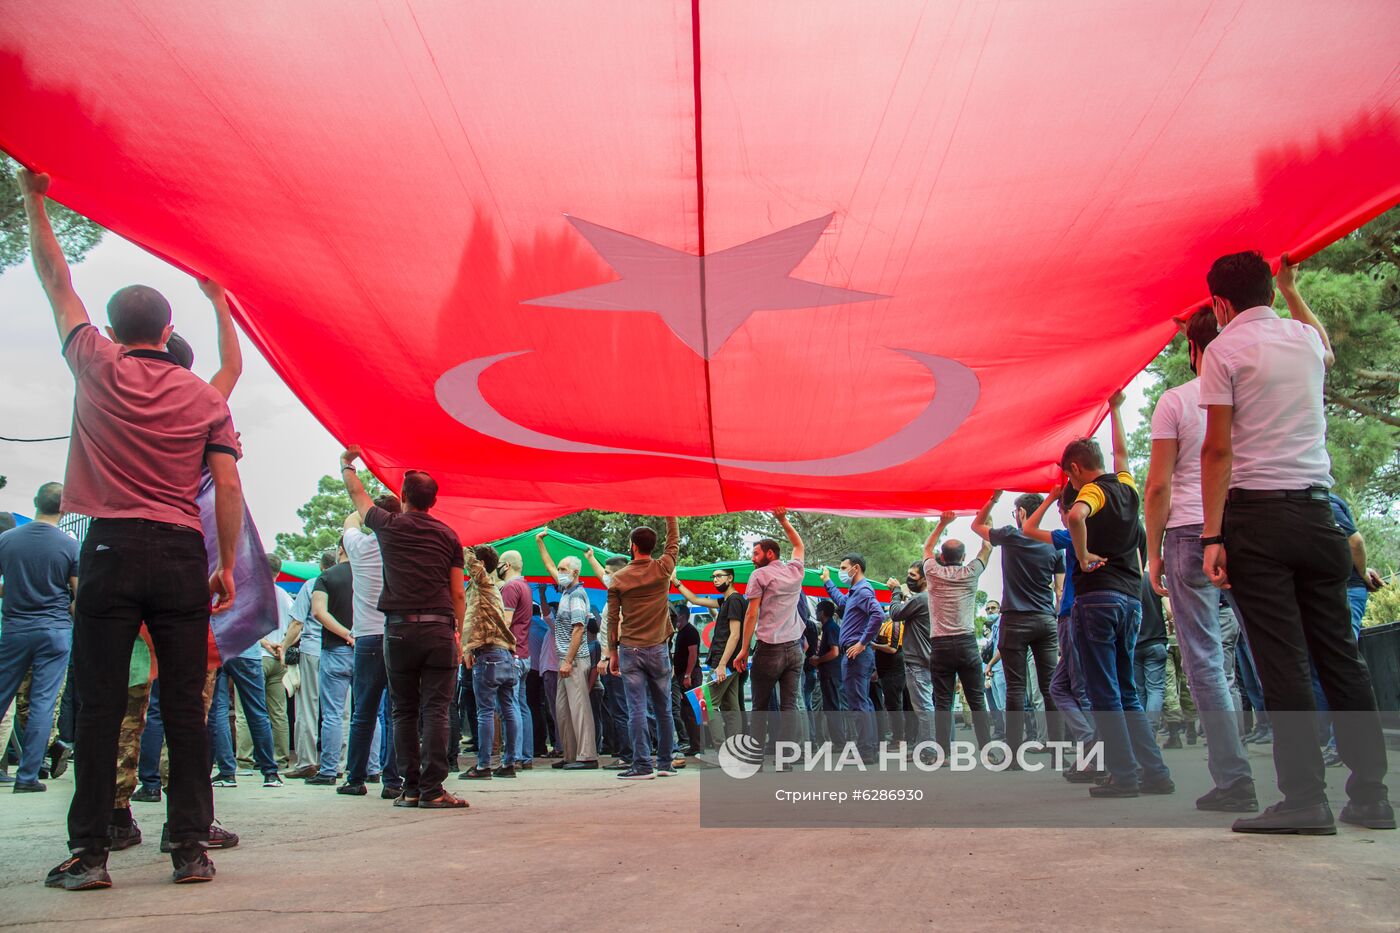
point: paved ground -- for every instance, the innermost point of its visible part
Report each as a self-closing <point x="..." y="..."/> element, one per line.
<point x="585" y="851"/>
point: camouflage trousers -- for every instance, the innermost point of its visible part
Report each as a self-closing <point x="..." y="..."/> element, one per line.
<point x="138" y="699"/>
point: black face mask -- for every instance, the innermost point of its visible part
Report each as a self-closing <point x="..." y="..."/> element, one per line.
<point x="501" y="573"/>
<point x="722" y="587"/>
<point x="913" y="584"/>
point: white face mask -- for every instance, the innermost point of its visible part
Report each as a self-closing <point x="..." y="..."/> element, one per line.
<point x="845" y="577"/>
<point x="607" y="579"/>
<point x="565" y="579"/>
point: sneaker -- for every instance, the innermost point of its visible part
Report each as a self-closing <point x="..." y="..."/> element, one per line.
<point x="505" y="771"/>
<point x="144" y="794"/>
<point x="390" y="792"/>
<point x="443" y="801"/>
<point x="225" y="780"/>
<point x="1239" y="797"/>
<point x="678" y="762"/>
<point x="636" y="774"/>
<point x="59" y="753"/>
<point x="31" y="787"/>
<point x="6" y="777"/>
<point x="191" y="866"/>
<point x="272" y="780"/>
<point x="219" y="838"/>
<point x="124" y="837"/>
<point x="1378" y="815"/>
<point x="1264" y="736"/>
<point x="665" y="770"/>
<point x="1113" y="789"/>
<point x="1161" y="786"/>
<point x="1300" y="821"/>
<point x="322" y="780"/>
<point x="79" y="873"/>
<point x="475" y="774"/>
<point x="1331" y="758"/>
<point x="352" y="789"/>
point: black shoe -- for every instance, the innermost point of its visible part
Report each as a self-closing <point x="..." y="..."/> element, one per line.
<point x="582" y="766"/>
<point x="272" y="780"/>
<point x="59" y="753"/>
<point x="220" y="838"/>
<point x="144" y="794"/>
<point x="124" y="837"/>
<point x="402" y="800"/>
<point x="1302" y="821"/>
<point x="390" y="792"/>
<point x="637" y="774"/>
<point x="1239" y="797"/>
<point x="475" y="774"/>
<point x="1161" y="787"/>
<point x="1081" y="775"/>
<point x="80" y="873"/>
<point x="351" y="790"/>
<point x="558" y="765"/>
<point x="1173" y="738"/>
<point x="191" y="866"/>
<point x="620" y="764"/>
<point x="1378" y="815"/>
<point x="443" y="801"/>
<point x="508" y="771"/>
<point x="322" y="780"/>
<point x="1113" y="789"/>
<point x="33" y="787"/>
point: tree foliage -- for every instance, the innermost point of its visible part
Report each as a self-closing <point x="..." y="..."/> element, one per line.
<point x="1354" y="288"/>
<point x="76" y="234"/>
<point x="323" y="518"/>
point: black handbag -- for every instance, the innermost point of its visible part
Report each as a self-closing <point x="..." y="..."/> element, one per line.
<point x="291" y="657"/>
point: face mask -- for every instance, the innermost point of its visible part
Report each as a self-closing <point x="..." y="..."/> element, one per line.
<point x="607" y="579"/>
<point x="912" y="583"/>
<point x="845" y="577"/>
<point x="565" y="579"/>
<point x="722" y="587"/>
<point x="501" y="573"/>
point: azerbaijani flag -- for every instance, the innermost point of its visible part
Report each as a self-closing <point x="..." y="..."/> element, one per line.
<point x="700" y="703"/>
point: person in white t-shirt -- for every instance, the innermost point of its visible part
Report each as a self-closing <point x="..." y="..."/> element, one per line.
<point x="1265" y="451"/>
<point x="1172" y="505"/>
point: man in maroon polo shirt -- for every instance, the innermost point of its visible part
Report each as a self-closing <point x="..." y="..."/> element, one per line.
<point x="143" y="426"/>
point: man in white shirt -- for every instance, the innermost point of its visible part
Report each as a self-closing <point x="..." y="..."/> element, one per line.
<point x="304" y="634"/>
<point x="370" y="679"/>
<point x="773" y="591"/>
<point x="1174" y="520"/>
<point x="1265" y="475"/>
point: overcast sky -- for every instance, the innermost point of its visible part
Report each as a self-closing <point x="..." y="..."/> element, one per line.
<point x="286" y="450"/>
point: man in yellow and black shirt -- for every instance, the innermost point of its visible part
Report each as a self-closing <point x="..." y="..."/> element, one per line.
<point x="1104" y="526"/>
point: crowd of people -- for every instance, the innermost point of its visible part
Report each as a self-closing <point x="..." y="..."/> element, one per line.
<point x="408" y="649"/>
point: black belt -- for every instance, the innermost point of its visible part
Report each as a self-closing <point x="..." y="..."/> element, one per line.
<point x="1318" y="493"/>
<point x="780" y="644"/>
<point x="420" y="617"/>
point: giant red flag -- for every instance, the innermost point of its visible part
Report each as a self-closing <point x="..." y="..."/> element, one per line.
<point x="714" y="254"/>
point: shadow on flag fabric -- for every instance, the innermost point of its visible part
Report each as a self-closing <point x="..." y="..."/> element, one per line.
<point x="700" y="256"/>
<point x="254" y="611"/>
<point x="700" y="703"/>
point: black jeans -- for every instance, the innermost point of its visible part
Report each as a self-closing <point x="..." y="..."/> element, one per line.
<point x="132" y="571"/>
<point x="1288" y="564"/>
<point x="780" y="665"/>
<point x="683" y="717"/>
<point x="370" y="680"/>
<point x="891" y="681"/>
<point x="422" y="661"/>
<point x="957" y="656"/>
<point x="1022" y="632"/>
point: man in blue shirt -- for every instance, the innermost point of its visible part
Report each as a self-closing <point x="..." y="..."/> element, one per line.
<point x="859" y="626"/>
<point x="39" y="569"/>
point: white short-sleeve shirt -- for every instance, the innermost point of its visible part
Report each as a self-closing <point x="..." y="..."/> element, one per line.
<point x="1179" y="417"/>
<point x="1271" y="371"/>
<point x="367" y="569"/>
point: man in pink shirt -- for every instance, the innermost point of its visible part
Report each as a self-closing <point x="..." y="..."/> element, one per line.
<point x="143" y="428"/>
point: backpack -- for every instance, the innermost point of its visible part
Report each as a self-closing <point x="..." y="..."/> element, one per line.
<point x="886" y="632"/>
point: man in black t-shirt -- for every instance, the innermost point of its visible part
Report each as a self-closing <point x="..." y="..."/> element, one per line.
<point x="332" y="605"/>
<point x="424" y="605"/>
<point x="726" y="691"/>
<point x="685" y="676"/>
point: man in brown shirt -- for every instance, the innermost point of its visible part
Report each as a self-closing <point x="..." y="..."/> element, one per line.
<point x="639" y="624"/>
<point x="488" y="649"/>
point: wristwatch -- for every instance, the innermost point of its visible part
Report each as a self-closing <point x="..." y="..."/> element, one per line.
<point x="1212" y="539"/>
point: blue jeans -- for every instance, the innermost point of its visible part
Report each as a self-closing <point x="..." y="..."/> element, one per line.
<point x="371" y="684"/>
<point x="494" y="683"/>
<point x="855" y="696"/>
<point x="337" y="670"/>
<point x="647" y="672"/>
<point x="996" y="703"/>
<point x="1067" y="687"/>
<point x="247" y="676"/>
<point x="525" y="736"/>
<point x="1106" y="634"/>
<point x="46" y="650"/>
<point x="919" y="682"/>
<point x="1196" y="608"/>
<point x="1150" y="679"/>
<point x="148" y="766"/>
<point x="1249" y="678"/>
